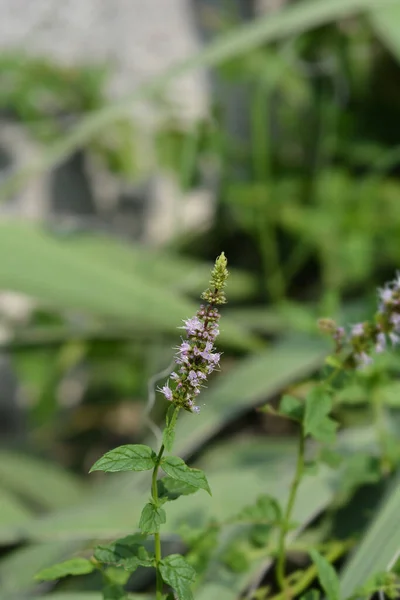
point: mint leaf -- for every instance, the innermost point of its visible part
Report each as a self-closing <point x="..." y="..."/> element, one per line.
<point x="73" y="566"/>
<point x="177" y="573"/>
<point x="291" y="408"/>
<point x="114" y="592"/>
<point x="266" y="510"/>
<point x="169" y="431"/>
<point x="316" y="421"/>
<point x="176" y="468"/>
<point x="132" y="457"/>
<point x="168" y="438"/>
<point x="331" y="458"/>
<point x="127" y="552"/>
<point x="326" y="575"/>
<point x="151" y="518"/>
<point x="170" y="489"/>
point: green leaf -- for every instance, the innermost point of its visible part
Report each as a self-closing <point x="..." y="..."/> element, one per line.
<point x="151" y="518"/>
<point x="132" y="457"/>
<point x="92" y="285"/>
<point x="290" y="21"/>
<point x="170" y="489"/>
<point x="316" y="421"/>
<point x="291" y="408"/>
<point x="168" y="438"/>
<point x="386" y="23"/>
<point x="127" y="552"/>
<point x="117" y="575"/>
<point x="390" y="394"/>
<point x="326" y="575"/>
<point x="176" y="468"/>
<point x="114" y="592"/>
<point x="359" y="469"/>
<point x="31" y="478"/>
<point x="73" y="566"/>
<point x="379" y="547"/>
<point x="169" y="431"/>
<point x="177" y="573"/>
<point x="265" y="510"/>
<point x="330" y="457"/>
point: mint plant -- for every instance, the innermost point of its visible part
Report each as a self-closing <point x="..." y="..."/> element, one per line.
<point x="195" y="360"/>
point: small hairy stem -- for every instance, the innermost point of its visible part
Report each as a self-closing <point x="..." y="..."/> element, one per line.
<point x="281" y="558"/>
<point x="157" y="537"/>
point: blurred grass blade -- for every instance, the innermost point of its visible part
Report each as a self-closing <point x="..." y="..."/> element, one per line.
<point x="177" y="272"/>
<point x="378" y="549"/>
<point x="292" y="20"/>
<point x="85" y="596"/>
<point x="43" y="483"/>
<point x="18" y="568"/>
<point x="59" y="273"/>
<point x="386" y="24"/>
<point x="12" y="511"/>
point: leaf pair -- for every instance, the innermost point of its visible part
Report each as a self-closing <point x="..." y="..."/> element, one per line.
<point x="313" y="414"/>
<point x="138" y="457"/>
<point x="181" y="480"/>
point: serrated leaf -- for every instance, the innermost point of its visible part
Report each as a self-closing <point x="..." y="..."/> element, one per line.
<point x="151" y="518"/>
<point x="73" y="566"/>
<point x="265" y="510"/>
<point x="177" y="573"/>
<point x="132" y="457"/>
<point x="316" y="421"/>
<point x="291" y="408"/>
<point x="127" y="552"/>
<point x="176" y="468"/>
<point x="326" y="575"/>
<point x="170" y="489"/>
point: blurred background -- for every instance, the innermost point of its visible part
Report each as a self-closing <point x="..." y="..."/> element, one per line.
<point x="139" y="139"/>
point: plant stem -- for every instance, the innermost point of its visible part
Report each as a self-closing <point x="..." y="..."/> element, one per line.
<point x="337" y="550"/>
<point x="281" y="559"/>
<point x="157" y="537"/>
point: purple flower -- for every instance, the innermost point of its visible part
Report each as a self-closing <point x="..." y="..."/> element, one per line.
<point x="394" y="338"/>
<point x="184" y="347"/>
<point x="363" y="360"/>
<point x="193" y="378"/>
<point x="193" y="326"/>
<point x="395" y="321"/>
<point x="386" y="295"/>
<point x="380" y="344"/>
<point x="357" y="330"/>
<point x="166" y="390"/>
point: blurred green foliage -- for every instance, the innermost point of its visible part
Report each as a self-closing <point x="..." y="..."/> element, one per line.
<point x="308" y="212"/>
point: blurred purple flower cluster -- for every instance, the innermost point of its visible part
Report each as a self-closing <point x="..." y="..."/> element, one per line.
<point x="196" y="357"/>
<point x="366" y="338"/>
